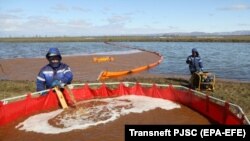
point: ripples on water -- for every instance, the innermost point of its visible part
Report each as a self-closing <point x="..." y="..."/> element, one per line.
<point x="39" y="50"/>
<point x="226" y="60"/>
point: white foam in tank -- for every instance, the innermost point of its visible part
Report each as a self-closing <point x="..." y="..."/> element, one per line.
<point x="110" y="110"/>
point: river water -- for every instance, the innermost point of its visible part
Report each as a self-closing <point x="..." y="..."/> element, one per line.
<point x="225" y="60"/>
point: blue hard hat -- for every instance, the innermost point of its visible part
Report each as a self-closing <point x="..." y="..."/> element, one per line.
<point x="53" y="52"/>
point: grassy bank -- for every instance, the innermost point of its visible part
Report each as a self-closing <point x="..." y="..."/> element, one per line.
<point x="234" y="92"/>
<point x="242" y="38"/>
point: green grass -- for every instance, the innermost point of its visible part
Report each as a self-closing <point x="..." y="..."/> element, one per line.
<point x="234" y="92"/>
<point x="14" y="88"/>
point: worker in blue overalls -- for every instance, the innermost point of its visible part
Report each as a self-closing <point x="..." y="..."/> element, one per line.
<point x="195" y="67"/>
<point x="55" y="73"/>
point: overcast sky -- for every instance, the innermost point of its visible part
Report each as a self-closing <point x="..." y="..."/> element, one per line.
<point x="121" y="17"/>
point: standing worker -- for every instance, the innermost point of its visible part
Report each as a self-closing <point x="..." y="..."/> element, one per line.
<point x="195" y="62"/>
<point x="195" y="68"/>
<point x="55" y="73"/>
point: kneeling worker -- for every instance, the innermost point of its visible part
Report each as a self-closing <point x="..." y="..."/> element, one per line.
<point x="55" y="73"/>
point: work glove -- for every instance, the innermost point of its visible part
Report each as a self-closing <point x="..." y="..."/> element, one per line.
<point x="57" y="83"/>
<point x="188" y="61"/>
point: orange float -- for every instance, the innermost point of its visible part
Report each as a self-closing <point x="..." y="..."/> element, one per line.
<point x="103" y="59"/>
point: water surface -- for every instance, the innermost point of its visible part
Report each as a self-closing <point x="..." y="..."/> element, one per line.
<point x="226" y="60"/>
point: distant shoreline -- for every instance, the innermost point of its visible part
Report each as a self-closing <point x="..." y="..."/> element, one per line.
<point x="231" y="38"/>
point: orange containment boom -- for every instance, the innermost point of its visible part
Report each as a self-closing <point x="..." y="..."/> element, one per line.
<point x="103" y="59"/>
<point x="111" y="74"/>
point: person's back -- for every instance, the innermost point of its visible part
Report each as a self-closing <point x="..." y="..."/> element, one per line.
<point x="55" y="73"/>
<point x="195" y="62"/>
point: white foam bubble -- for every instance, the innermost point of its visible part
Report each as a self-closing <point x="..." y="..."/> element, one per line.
<point x="97" y="114"/>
